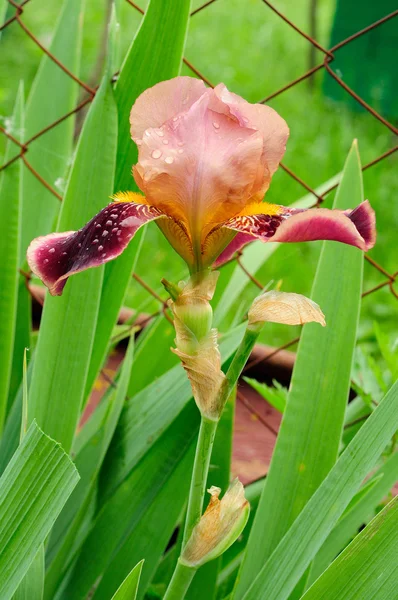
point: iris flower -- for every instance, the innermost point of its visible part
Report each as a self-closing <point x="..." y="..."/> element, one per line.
<point x="206" y="158"/>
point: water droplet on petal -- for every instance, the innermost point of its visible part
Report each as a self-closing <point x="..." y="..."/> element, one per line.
<point x="160" y="132"/>
<point x="109" y="223"/>
<point x="114" y="230"/>
<point x="175" y="119"/>
<point x="95" y="241"/>
<point x="52" y="250"/>
<point x="105" y="233"/>
<point x="165" y="142"/>
<point x="180" y="151"/>
<point x="180" y="143"/>
<point x="45" y="261"/>
<point x="156" y="154"/>
<point x="104" y="254"/>
<point x="216" y="125"/>
<point x="169" y="160"/>
<point x="100" y="248"/>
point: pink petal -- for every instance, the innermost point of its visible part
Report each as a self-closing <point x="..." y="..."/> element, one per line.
<point x="353" y="227"/>
<point x="55" y="257"/>
<point x="163" y="101"/>
<point x="200" y="169"/>
<point x="260" y="117"/>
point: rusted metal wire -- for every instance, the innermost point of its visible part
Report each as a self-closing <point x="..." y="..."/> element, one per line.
<point x="328" y="58"/>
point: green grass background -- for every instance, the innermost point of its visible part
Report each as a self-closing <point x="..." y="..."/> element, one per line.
<point x="245" y="45"/>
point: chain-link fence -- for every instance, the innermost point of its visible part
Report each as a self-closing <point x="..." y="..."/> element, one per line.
<point x="328" y="58"/>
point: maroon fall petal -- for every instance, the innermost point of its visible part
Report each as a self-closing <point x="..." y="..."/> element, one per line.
<point x="56" y="256"/>
<point x="353" y="227"/>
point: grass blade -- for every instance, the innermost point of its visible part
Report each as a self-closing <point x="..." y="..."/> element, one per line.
<point x="309" y="437"/>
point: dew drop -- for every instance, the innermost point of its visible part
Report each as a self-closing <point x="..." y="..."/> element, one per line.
<point x="156" y="154"/>
<point x="105" y="233"/>
<point x="160" y="132"/>
<point x="180" y="144"/>
<point x="109" y="222"/>
<point x="79" y="245"/>
<point x="104" y="254"/>
<point x="100" y="248"/>
<point x="216" y="125"/>
<point x="169" y="160"/>
<point x="114" y="230"/>
<point x="180" y="151"/>
<point x="175" y="119"/>
<point x="45" y="261"/>
<point x="64" y="253"/>
<point x="52" y="250"/>
<point x="98" y="226"/>
<point x="165" y="142"/>
<point x="95" y="241"/>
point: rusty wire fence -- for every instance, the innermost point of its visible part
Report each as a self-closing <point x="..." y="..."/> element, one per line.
<point x="388" y="278"/>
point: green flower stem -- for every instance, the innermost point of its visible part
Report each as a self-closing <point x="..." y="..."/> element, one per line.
<point x="204" y="447"/>
<point x="238" y="362"/>
<point x="180" y="582"/>
<point x="183" y="575"/>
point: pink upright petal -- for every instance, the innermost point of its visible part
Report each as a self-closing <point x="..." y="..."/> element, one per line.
<point x="262" y="118"/>
<point x="353" y="227"/>
<point x="53" y="258"/>
<point x="200" y="168"/>
<point x="162" y="102"/>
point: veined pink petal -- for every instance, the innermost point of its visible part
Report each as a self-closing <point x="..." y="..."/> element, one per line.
<point x="55" y="257"/>
<point x="354" y="227"/>
<point x="162" y="102"/>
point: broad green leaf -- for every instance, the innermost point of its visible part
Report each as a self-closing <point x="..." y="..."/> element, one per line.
<point x="32" y="585"/>
<point x="255" y="255"/>
<point x="68" y="322"/>
<point x="129" y="588"/>
<point x="155" y="55"/>
<point x="298" y="547"/>
<point x="361" y="512"/>
<point x="88" y="462"/>
<point x="33" y="489"/>
<point x="148" y="414"/>
<point x="368" y="567"/>
<point x="138" y="519"/>
<point x="309" y="437"/>
<point x="49" y="154"/>
<point x="10" y="216"/>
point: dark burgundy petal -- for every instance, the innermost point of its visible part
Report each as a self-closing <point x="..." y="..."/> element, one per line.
<point x="239" y="241"/>
<point x="55" y="257"/>
<point x="354" y="227"/>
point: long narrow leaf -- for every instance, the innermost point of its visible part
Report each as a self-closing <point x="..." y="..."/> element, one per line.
<point x="288" y="562"/>
<point x="33" y="490"/>
<point x="309" y="437"/>
<point x="129" y="588"/>
<point x="68" y="322"/>
<point x="10" y="216"/>
<point x="368" y="567"/>
<point x="155" y="55"/>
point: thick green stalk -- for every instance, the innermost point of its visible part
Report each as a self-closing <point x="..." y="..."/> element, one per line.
<point x="181" y="579"/>
<point x="180" y="582"/>
<point x="204" y="447"/>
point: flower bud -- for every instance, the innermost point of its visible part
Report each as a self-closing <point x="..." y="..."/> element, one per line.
<point x="192" y="307"/>
<point x="286" y="308"/>
<point x="219" y="527"/>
